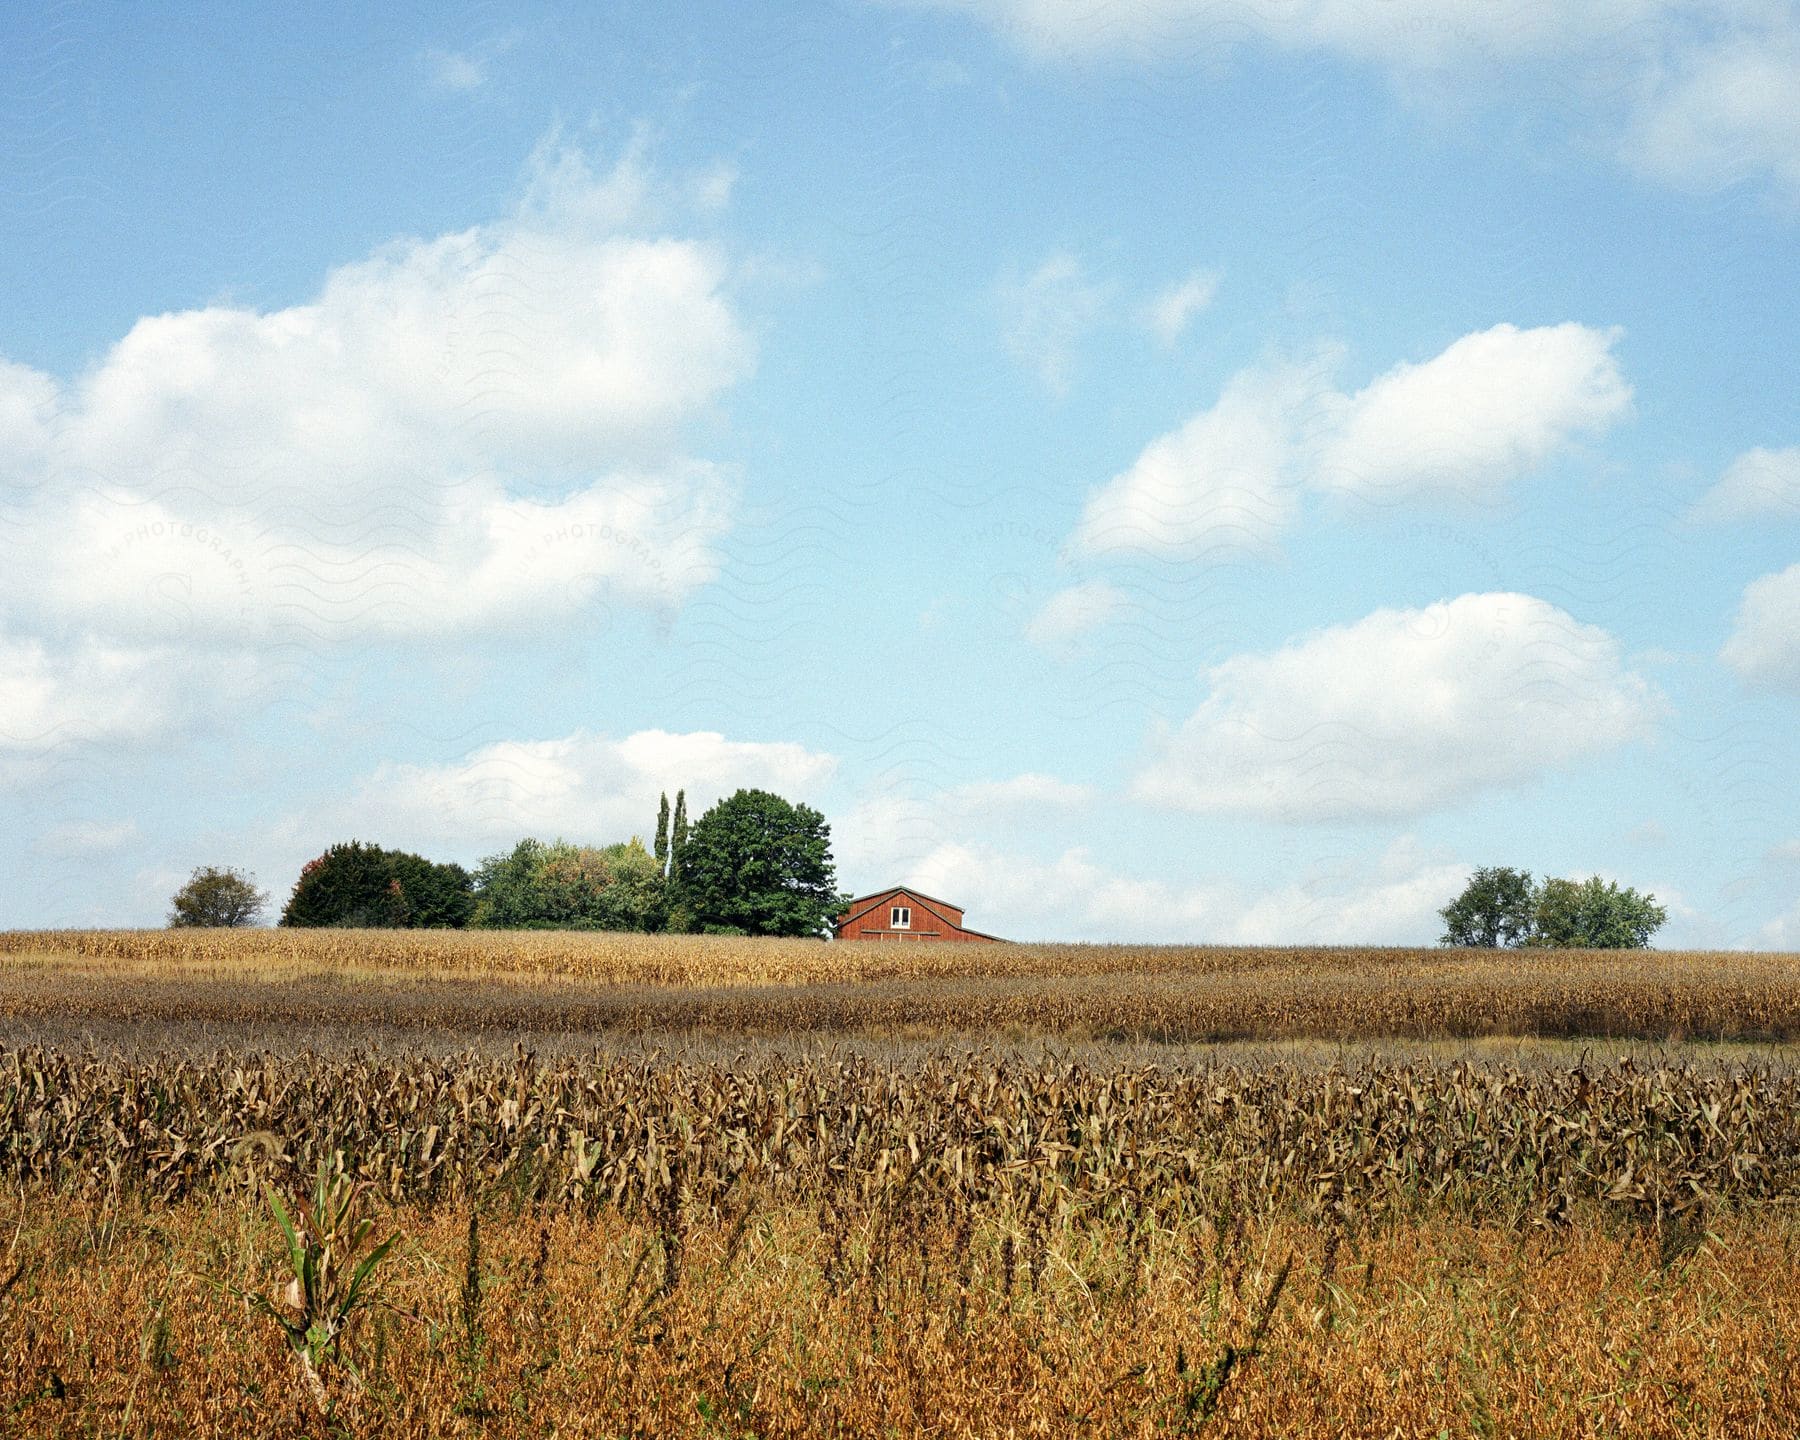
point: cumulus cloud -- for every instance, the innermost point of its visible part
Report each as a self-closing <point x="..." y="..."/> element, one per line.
<point x="1074" y="612"/>
<point x="1491" y="407"/>
<point x="1391" y="899"/>
<point x="1404" y="34"/>
<point x="1401" y="713"/>
<point x="1045" y="315"/>
<point x="892" y="828"/>
<point x="1724" y="112"/>
<point x="1168" y="313"/>
<point x="56" y="700"/>
<point x="1764" y="646"/>
<point x="1696" y="95"/>
<point x="1226" y="482"/>
<point x="582" y="786"/>
<point x="476" y="431"/>
<point x="1758" y="483"/>
<point x="1488" y="409"/>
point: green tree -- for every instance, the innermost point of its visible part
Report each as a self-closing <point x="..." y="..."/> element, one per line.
<point x="355" y="884"/>
<point x="1495" y="908"/>
<point x="538" y="886"/>
<point x="662" y="834"/>
<point x="217" y="898"/>
<point x="678" y="836"/>
<point x="1594" y="914"/>
<point x="757" y="865"/>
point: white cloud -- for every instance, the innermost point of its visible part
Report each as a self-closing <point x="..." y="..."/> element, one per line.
<point x="1759" y="482"/>
<point x="583" y="786"/>
<point x="1407" y="35"/>
<point x="1694" y="94"/>
<point x="56" y="699"/>
<point x="1781" y="933"/>
<point x="891" y="830"/>
<point x="1168" y="314"/>
<point x="1488" y="409"/>
<point x="1392" y="900"/>
<point x="480" y="430"/>
<point x="1764" y="646"/>
<point x="1401" y="713"/>
<point x="1044" y="316"/>
<point x="1728" y="112"/>
<point x="1072" y="613"/>
<point x="1224" y="483"/>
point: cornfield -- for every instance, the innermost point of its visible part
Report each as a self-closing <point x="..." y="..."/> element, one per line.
<point x="548" y="983"/>
<point x="961" y="1137"/>
<point x="687" y="1187"/>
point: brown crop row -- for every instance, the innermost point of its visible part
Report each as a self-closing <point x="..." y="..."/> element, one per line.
<point x="952" y="1137"/>
<point x="1651" y="999"/>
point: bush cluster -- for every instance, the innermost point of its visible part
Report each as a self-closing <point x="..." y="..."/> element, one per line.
<point x="355" y="884"/>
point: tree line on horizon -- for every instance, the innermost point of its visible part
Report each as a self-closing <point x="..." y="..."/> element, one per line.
<point x="753" y="864"/>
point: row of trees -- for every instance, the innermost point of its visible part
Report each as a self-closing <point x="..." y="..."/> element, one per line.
<point x="1501" y="906"/>
<point x="753" y="864"/>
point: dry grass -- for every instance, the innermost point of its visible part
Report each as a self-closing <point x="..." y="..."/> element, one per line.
<point x="1437" y="1328"/>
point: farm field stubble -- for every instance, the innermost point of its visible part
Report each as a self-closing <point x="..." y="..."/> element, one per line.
<point x="723" y="1188"/>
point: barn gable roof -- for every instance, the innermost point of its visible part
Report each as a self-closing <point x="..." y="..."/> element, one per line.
<point x="874" y="898"/>
<point x="863" y="904"/>
<point x="913" y="891"/>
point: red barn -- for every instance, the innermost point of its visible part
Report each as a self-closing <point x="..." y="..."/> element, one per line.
<point x="904" y="914"/>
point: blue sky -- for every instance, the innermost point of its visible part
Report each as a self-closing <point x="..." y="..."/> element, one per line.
<point x="1165" y="470"/>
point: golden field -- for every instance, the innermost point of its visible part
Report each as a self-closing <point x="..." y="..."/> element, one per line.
<point x="543" y="983"/>
<point x="677" y="1186"/>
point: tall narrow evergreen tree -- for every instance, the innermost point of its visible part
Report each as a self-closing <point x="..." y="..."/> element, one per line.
<point x="662" y="836"/>
<point x="678" y="836"/>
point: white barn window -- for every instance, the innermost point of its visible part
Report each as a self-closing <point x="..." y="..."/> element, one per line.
<point x="901" y="918"/>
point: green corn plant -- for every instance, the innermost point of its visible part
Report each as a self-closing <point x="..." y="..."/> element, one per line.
<point x="333" y="1266"/>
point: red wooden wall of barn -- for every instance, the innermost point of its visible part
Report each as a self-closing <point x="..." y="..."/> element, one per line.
<point x="927" y="923"/>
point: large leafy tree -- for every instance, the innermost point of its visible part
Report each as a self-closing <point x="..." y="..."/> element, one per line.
<point x="1501" y="906"/>
<point x="757" y="865"/>
<point x="216" y="898"/>
<point x="1595" y="914"/>
<point x="355" y="884"/>
<point x="1495" y="908"/>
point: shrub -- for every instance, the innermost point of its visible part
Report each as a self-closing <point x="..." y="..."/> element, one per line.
<point x="363" y="885"/>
